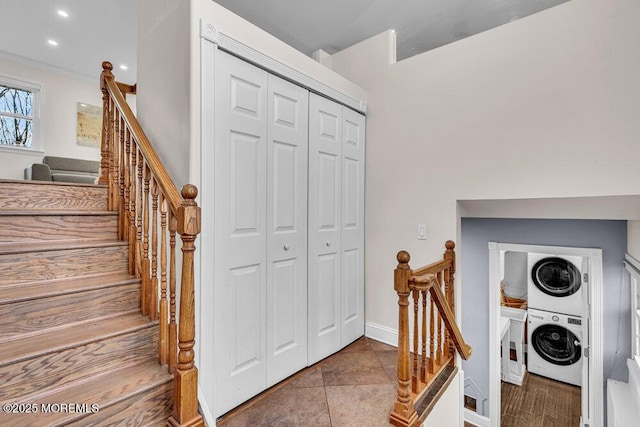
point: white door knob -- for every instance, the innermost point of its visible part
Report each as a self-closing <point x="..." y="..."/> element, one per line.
<point x="286" y="247"/>
<point x="328" y="243"/>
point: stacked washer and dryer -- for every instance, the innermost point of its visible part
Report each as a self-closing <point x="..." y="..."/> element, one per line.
<point x="555" y="301"/>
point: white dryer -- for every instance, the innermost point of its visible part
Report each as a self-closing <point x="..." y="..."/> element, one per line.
<point x="555" y="283"/>
<point x="555" y="346"/>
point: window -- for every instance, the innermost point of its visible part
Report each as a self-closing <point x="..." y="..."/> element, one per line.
<point x="632" y="267"/>
<point x="19" y="114"/>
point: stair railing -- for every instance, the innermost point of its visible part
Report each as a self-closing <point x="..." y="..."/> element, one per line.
<point x="151" y="212"/>
<point x="435" y="333"/>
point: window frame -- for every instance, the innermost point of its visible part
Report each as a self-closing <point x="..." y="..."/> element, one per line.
<point x="633" y="268"/>
<point x="37" y="89"/>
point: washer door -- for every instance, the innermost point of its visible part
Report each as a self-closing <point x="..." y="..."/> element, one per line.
<point x="556" y="344"/>
<point x="556" y="277"/>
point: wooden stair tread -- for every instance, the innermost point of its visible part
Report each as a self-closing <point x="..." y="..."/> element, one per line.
<point x="53" y="287"/>
<point x="54" y="212"/>
<point x="71" y="336"/>
<point x="104" y="390"/>
<point x="56" y="245"/>
<point x="151" y="409"/>
<point x="52" y="183"/>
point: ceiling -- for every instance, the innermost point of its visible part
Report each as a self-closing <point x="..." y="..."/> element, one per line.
<point x="98" y="30"/>
<point x="94" y="31"/>
<point x="420" y="25"/>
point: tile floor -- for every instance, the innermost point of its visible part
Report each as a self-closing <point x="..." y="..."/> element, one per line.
<point x="354" y="387"/>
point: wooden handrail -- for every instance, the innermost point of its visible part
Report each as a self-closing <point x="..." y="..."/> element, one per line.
<point x="433" y="347"/>
<point x="449" y="319"/>
<point x="155" y="164"/>
<point x="151" y="210"/>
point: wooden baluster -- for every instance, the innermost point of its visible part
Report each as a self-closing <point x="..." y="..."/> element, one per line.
<point x="185" y="388"/>
<point x="432" y="337"/>
<point x="126" y="165"/>
<point x="120" y="174"/>
<point x="163" y="340"/>
<point x="423" y="367"/>
<point x="146" y="264"/>
<point x="113" y="155"/>
<point x="132" y="204"/>
<point x="416" y="330"/>
<point x="440" y="322"/>
<point x="449" y="284"/>
<point x="173" y="327"/>
<point x="447" y="338"/>
<point x="138" y="251"/>
<point x="104" y="146"/>
<point x="404" y="413"/>
<point x="153" y="306"/>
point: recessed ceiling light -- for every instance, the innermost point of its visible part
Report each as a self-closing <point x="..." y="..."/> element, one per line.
<point x="63" y="14"/>
<point x="52" y="42"/>
<point x="123" y="67"/>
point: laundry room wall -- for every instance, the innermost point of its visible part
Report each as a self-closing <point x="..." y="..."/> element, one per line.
<point x="610" y="236"/>
<point x="515" y="274"/>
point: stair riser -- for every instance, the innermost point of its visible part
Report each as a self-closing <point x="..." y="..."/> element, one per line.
<point x="35" y="266"/>
<point x="57" y="227"/>
<point x="106" y="391"/>
<point x="42" y="374"/>
<point x="152" y="408"/>
<point x="35" y="316"/>
<point x="46" y="196"/>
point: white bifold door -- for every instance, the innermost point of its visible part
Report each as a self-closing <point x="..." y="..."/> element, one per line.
<point x="336" y="227"/>
<point x="260" y="215"/>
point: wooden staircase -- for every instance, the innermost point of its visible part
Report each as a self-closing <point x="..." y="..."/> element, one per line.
<point x="75" y="348"/>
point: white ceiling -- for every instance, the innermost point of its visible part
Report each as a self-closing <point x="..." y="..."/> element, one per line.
<point x="95" y="31"/>
<point x="420" y="25"/>
<point x="98" y="30"/>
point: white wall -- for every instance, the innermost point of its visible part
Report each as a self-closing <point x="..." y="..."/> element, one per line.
<point x="61" y="93"/>
<point x="633" y="239"/>
<point x="163" y="99"/>
<point x="447" y="411"/>
<point x="542" y="107"/>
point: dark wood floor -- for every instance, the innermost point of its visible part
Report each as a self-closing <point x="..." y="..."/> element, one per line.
<point x="540" y="402"/>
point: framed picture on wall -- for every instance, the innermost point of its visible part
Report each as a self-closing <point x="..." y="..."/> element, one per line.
<point x="89" y="125"/>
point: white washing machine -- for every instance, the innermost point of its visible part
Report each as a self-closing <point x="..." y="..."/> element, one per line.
<point x="556" y="283"/>
<point x="555" y="346"/>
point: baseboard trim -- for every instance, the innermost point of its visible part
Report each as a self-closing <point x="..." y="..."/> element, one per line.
<point x="381" y="333"/>
<point x="475" y="419"/>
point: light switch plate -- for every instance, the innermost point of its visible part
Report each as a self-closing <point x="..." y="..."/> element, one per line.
<point x="422" y="231"/>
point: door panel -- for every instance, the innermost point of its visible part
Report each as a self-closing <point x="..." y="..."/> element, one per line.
<point x="352" y="203"/>
<point x="240" y="150"/>
<point x="288" y="135"/>
<point x="325" y="219"/>
<point x="246" y="313"/>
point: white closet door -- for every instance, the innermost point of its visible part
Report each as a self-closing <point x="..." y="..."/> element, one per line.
<point x="288" y="134"/>
<point x="352" y="226"/>
<point x="325" y="216"/>
<point x="240" y="162"/>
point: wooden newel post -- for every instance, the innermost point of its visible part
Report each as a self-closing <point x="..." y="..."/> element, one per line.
<point x="404" y="413"/>
<point x="185" y="392"/>
<point x="448" y="287"/>
<point x="104" y="147"/>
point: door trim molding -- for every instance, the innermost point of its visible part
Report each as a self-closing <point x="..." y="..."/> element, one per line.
<point x="225" y="42"/>
<point x="595" y="322"/>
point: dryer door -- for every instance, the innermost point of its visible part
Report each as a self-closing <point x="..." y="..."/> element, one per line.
<point x="557" y="277"/>
<point x="556" y="344"/>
